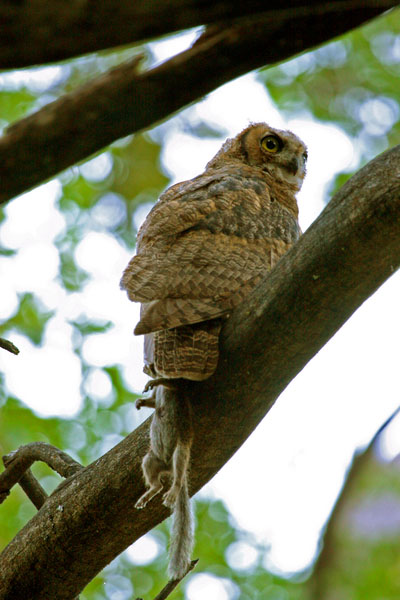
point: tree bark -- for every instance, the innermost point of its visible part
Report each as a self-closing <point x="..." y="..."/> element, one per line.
<point x="124" y="101"/>
<point x="39" y="31"/>
<point x="350" y="250"/>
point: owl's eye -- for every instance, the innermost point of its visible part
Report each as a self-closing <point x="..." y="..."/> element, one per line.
<point x="305" y="156"/>
<point x="271" y="143"/>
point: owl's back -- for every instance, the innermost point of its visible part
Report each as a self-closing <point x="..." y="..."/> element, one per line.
<point x="200" y="253"/>
<point x="207" y="243"/>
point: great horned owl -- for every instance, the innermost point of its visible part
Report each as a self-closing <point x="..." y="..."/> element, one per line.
<point x="207" y="242"/>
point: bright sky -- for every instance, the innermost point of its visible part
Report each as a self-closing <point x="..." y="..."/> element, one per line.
<point x="282" y="483"/>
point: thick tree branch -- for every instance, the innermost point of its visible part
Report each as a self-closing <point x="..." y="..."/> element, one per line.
<point x="124" y="101"/>
<point x="352" y="248"/>
<point x="39" y="31"/>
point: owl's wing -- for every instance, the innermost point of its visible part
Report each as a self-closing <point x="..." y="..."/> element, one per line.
<point x="203" y="276"/>
<point x="198" y="254"/>
<point x="180" y="207"/>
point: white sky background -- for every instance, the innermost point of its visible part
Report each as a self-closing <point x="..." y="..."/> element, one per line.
<point x="282" y="483"/>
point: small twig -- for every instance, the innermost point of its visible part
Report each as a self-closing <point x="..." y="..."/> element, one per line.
<point x="33" y="489"/>
<point x="7" y="345"/>
<point x="18" y="464"/>
<point x="171" y="585"/>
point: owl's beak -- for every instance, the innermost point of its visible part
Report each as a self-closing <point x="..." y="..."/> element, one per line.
<point x="293" y="166"/>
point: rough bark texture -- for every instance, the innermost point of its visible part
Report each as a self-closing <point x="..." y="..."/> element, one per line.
<point x="40" y="31"/>
<point x="352" y="248"/>
<point x="124" y="101"/>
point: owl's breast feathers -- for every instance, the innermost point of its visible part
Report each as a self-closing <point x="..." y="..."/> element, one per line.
<point x="206" y="243"/>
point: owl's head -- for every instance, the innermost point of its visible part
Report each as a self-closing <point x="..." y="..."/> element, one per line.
<point x="280" y="153"/>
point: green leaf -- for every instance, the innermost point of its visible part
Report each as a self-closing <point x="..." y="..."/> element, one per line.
<point x="7" y="251"/>
<point x="136" y="168"/>
<point x="30" y="319"/>
<point x="86" y="327"/>
<point x="72" y="276"/>
<point x="15" y="104"/>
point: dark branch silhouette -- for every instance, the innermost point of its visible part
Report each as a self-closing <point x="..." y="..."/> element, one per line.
<point x="40" y="32"/>
<point x="124" y="100"/>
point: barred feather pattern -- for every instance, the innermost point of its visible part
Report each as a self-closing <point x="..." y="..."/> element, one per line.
<point x="207" y="243"/>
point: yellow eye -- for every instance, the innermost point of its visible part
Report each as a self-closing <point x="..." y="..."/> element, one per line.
<point x="271" y="143"/>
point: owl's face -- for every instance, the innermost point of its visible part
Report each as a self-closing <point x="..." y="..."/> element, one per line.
<point x="280" y="153"/>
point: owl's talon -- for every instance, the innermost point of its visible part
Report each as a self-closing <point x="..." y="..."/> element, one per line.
<point x="148" y="402"/>
<point x="168" y="383"/>
<point x="139" y="403"/>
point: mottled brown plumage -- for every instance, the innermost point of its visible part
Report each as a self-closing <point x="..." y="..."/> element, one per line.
<point x="206" y="244"/>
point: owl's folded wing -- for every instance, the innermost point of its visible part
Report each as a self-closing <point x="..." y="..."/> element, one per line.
<point x="202" y="276"/>
<point x="202" y="250"/>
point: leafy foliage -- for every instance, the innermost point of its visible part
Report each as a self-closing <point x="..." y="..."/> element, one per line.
<point x="352" y="81"/>
<point x="30" y="319"/>
<point x="361" y="558"/>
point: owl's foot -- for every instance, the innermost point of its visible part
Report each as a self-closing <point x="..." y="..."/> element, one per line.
<point x="168" y="383"/>
<point x="149" y="402"/>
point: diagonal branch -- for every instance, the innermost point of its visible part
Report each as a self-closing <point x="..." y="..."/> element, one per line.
<point x="351" y="249"/>
<point x="124" y="101"/>
<point x="39" y="32"/>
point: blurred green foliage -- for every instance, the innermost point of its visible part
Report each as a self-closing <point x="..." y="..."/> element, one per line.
<point x="215" y="541"/>
<point x="15" y="104"/>
<point x="352" y="82"/>
<point x="361" y="557"/>
<point x="30" y="319"/>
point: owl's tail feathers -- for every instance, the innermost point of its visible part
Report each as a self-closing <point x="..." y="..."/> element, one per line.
<point x="182" y="535"/>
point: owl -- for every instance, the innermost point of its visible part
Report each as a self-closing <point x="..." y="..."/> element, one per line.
<point x="206" y="244"/>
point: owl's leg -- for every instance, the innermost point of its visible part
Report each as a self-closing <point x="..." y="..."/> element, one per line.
<point x="153" y="470"/>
